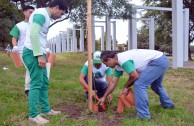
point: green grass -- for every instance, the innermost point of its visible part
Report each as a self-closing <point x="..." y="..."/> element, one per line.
<point x="64" y="89"/>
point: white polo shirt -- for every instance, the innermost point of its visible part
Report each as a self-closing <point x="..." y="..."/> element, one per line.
<point x="19" y="32"/>
<point x="99" y="73"/>
<point x="136" y="59"/>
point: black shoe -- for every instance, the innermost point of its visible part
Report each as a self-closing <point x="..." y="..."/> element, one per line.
<point x="144" y="119"/>
<point x="134" y="116"/>
<point x="171" y="107"/>
<point x="26" y="92"/>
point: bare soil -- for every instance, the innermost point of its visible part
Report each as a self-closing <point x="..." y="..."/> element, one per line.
<point x="80" y="113"/>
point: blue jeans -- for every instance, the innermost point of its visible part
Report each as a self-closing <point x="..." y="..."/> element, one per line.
<point x="152" y="75"/>
<point x="98" y="85"/>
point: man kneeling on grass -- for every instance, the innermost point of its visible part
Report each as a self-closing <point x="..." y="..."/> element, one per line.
<point x="100" y="73"/>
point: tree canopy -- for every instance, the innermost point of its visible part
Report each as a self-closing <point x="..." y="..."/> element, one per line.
<point x="120" y="9"/>
<point x="9" y="16"/>
<point x="10" y="12"/>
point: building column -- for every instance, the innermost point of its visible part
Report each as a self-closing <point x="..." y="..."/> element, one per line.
<point x="81" y="44"/>
<point x="93" y="34"/>
<point x="108" y="33"/>
<point x="186" y="34"/>
<point x="129" y="35"/>
<point x="51" y="44"/>
<point x="68" y="39"/>
<point x="64" y="42"/>
<point x="177" y="30"/>
<point x="54" y="44"/>
<point x="114" y="36"/>
<point x="58" y="43"/>
<point x="102" y="38"/>
<point x="151" y="33"/>
<point x="133" y="32"/>
<point x="74" y="40"/>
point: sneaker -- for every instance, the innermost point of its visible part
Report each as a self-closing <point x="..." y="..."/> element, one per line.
<point x="51" y="112"/>
<point x="38" y="120"/>
<point x="171" y="107"/>
<point x="26" y="92"/>
<point x="134" y="116"/>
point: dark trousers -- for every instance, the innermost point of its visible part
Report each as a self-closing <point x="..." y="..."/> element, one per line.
<point x="98" y="85"/>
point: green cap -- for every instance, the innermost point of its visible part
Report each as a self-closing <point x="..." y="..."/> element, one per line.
<point x="96" y="57"/>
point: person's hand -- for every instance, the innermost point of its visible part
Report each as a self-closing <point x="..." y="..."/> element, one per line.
<point x="109" y="98"/>
<point x="41" y="61"/>
<point x="125" y="91"/>
<point x="15" y="49"/>
<point x="48" y="50"/>
<point x="93" y="94"/>
<point x="101" y="100"/>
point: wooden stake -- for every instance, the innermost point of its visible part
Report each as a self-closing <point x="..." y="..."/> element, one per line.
<point x="89" y="42"/>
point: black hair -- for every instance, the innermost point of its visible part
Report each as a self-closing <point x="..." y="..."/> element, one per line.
<point x="108" y="54"/>
<point x="61" y="3"/>
<point x="27" y="8"/>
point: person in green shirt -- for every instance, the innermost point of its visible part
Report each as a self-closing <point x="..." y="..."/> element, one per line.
<point x="34" y="56"/>
<point x="102" y="75"/>
<point x="18" y="34"/>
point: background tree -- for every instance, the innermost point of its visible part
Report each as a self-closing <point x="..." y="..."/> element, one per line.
<point x="78" y="8"/>
<point x="120" y="9"/>
<point x="9" y="16"/>
<point x="163" y="23"/>
<point x="99" y="42"/>
<point x="143" y="38"/>
<point x="192" y="49"/>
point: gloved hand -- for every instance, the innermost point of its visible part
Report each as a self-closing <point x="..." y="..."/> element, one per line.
<point x="48" y="50"/>
<point x="15" y="49"/>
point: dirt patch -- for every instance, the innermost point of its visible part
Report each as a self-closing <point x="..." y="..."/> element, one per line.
<point x="104" y="120"/>
<point x="79" y="113"/>
<point x="191" y="108"/>
<point x="72" y="110"/>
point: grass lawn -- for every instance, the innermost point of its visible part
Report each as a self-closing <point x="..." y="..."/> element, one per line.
<point x="66" y="94"/>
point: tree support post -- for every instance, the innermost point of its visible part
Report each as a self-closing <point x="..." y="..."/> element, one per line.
<point x="89" y="41"/>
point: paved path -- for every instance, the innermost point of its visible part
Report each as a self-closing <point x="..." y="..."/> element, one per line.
<point x="186" y="64"/>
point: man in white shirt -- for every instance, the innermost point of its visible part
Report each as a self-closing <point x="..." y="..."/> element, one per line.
<point x="102" y="75"/>
<point x="18" y="34"/>
<point x="34" y="56"/>
<point x="145" y="68"/>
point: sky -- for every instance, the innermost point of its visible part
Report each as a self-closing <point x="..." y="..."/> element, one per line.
<point x="121" y="27"/>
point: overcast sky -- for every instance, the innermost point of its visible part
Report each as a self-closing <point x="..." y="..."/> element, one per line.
<point x="121" y="27"/>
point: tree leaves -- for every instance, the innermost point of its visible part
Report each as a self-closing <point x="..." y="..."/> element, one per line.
<point x="9" y="16"/>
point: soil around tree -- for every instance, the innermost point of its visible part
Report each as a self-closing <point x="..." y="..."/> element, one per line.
<point x="81" y="113"/>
